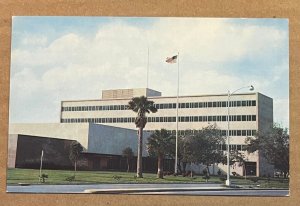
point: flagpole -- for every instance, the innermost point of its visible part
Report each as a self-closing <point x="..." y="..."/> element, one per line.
<point x="177" y="106"/>
<point x="41" y="165"/>
<point x="148" y="70"/>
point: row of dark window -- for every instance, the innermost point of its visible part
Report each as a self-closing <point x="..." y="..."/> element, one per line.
<point x="222" y="132"/>
<point x="220" y="118"/>
<point x="245" y="103"/>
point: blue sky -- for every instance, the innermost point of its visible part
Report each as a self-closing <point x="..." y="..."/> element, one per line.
<point x="62" y="58"/>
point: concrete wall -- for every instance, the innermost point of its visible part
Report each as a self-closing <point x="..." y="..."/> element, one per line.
<point x="113" y="140"/>
<point x="78" y="132"/>
<point x="12" y="150"/>
<point x="95" y="138"/>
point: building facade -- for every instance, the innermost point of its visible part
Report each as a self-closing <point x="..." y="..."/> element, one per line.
<point x="249" y="112"/>
<point x="103" y="146"/>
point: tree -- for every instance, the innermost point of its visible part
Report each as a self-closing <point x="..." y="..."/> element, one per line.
<point x="203" y="147"/>
<point x="160" y="144"/>
<point x="273" y="144"/>
<point x="128" y="153"/>
<point x="236" y="157"/>
<point x="209" y="141"/>
<point x="75" y="151"/>
<point x="141" y="105"/>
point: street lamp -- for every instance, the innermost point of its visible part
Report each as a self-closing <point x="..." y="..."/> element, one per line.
<point x="251" y="88"/>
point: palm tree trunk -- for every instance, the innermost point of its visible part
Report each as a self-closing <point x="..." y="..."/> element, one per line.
<point x="160" y="167"/>
<point x="139" y="172"/>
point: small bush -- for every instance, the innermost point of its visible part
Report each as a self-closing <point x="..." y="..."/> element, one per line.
<point x="254" y="179"/>
<point x="219" y="172"/>
<point x="116" y="177"/>
<point x="234" y="173"/>
<point x="71" y="178"/>
<point x="43" y="177"/>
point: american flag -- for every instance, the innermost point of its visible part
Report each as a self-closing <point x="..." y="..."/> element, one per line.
<point x="171" y="60"/>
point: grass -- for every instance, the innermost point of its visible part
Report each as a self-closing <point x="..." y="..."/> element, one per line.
<point x="31" y="176"/>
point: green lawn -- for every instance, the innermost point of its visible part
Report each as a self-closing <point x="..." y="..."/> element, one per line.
<point x="15" y="176"/>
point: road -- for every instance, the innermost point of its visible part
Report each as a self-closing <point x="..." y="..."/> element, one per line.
<point x="146" y="189"/>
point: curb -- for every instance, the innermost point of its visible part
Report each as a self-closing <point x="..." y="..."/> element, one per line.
<point x="135" y="190"/>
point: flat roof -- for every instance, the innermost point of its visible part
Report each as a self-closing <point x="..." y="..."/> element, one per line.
<point x="165" y="97"/>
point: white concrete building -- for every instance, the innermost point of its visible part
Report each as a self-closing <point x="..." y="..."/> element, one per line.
<point x="249" y="112"/>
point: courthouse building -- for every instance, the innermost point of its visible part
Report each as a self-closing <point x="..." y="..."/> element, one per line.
<point x="249" y="112"/>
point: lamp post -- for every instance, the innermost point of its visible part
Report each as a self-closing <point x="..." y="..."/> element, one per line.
<point x="251" y="88"/>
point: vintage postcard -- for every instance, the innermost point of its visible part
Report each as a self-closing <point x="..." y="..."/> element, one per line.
<point x="149" y="105"/>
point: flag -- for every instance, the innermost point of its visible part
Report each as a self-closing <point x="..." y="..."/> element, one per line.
<point x="172" y="59"/>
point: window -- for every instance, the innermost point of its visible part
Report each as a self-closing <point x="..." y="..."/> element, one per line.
<point x="209" y="104"/>
<point x="244" y="133"/>
<point x="238" y="104"/>
<point x="224" y="118"/>
<point x="244" y="103"/>
<point x="224" y="104"/>
<point x="244" y="118"/>
<point x="239" y="133"/>
<point x="214" y="104"/>
<point x="209" y="118"/>
<point x="200" y="104"/>
<point x="253" y="117"/>
<point x="214" y="118"/>
<point x="253" y="103"/>
<point x="238" y="118"/>
<point x="196" y="105"/>
<point x="200" y="119"/>
<point x="161" y="106"/>
<point x="186" y="119"/>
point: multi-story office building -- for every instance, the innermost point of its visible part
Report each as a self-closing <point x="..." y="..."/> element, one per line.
<point x="249" y="112"/>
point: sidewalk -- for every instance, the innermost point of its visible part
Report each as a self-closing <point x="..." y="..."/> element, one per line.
<point x="159" y="188"/>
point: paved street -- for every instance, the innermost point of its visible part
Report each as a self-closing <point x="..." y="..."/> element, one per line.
<point x="146" y="189"/>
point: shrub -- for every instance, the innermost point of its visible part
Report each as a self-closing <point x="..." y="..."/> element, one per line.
<point x="254" y="179"/>
<point x="219" y="172"/>
<point x="234" y="173"/>
<point x="71" y="178"/>
<point x="116" y="177"/>
<point x="43" y="177"/>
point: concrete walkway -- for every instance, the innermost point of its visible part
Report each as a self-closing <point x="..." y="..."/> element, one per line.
<point x="133" y="188"/>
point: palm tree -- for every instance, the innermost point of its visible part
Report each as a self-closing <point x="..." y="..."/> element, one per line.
<point x="75" y="151"/>
<point x="128" y="153"/>
<point x="160" y="144"/>
<point x="141" y="105"/>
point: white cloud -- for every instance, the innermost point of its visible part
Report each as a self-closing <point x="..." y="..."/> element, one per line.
<point x="77" y="67"/>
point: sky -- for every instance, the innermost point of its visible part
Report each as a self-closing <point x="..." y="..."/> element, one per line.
<point x="75" y="58"/>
